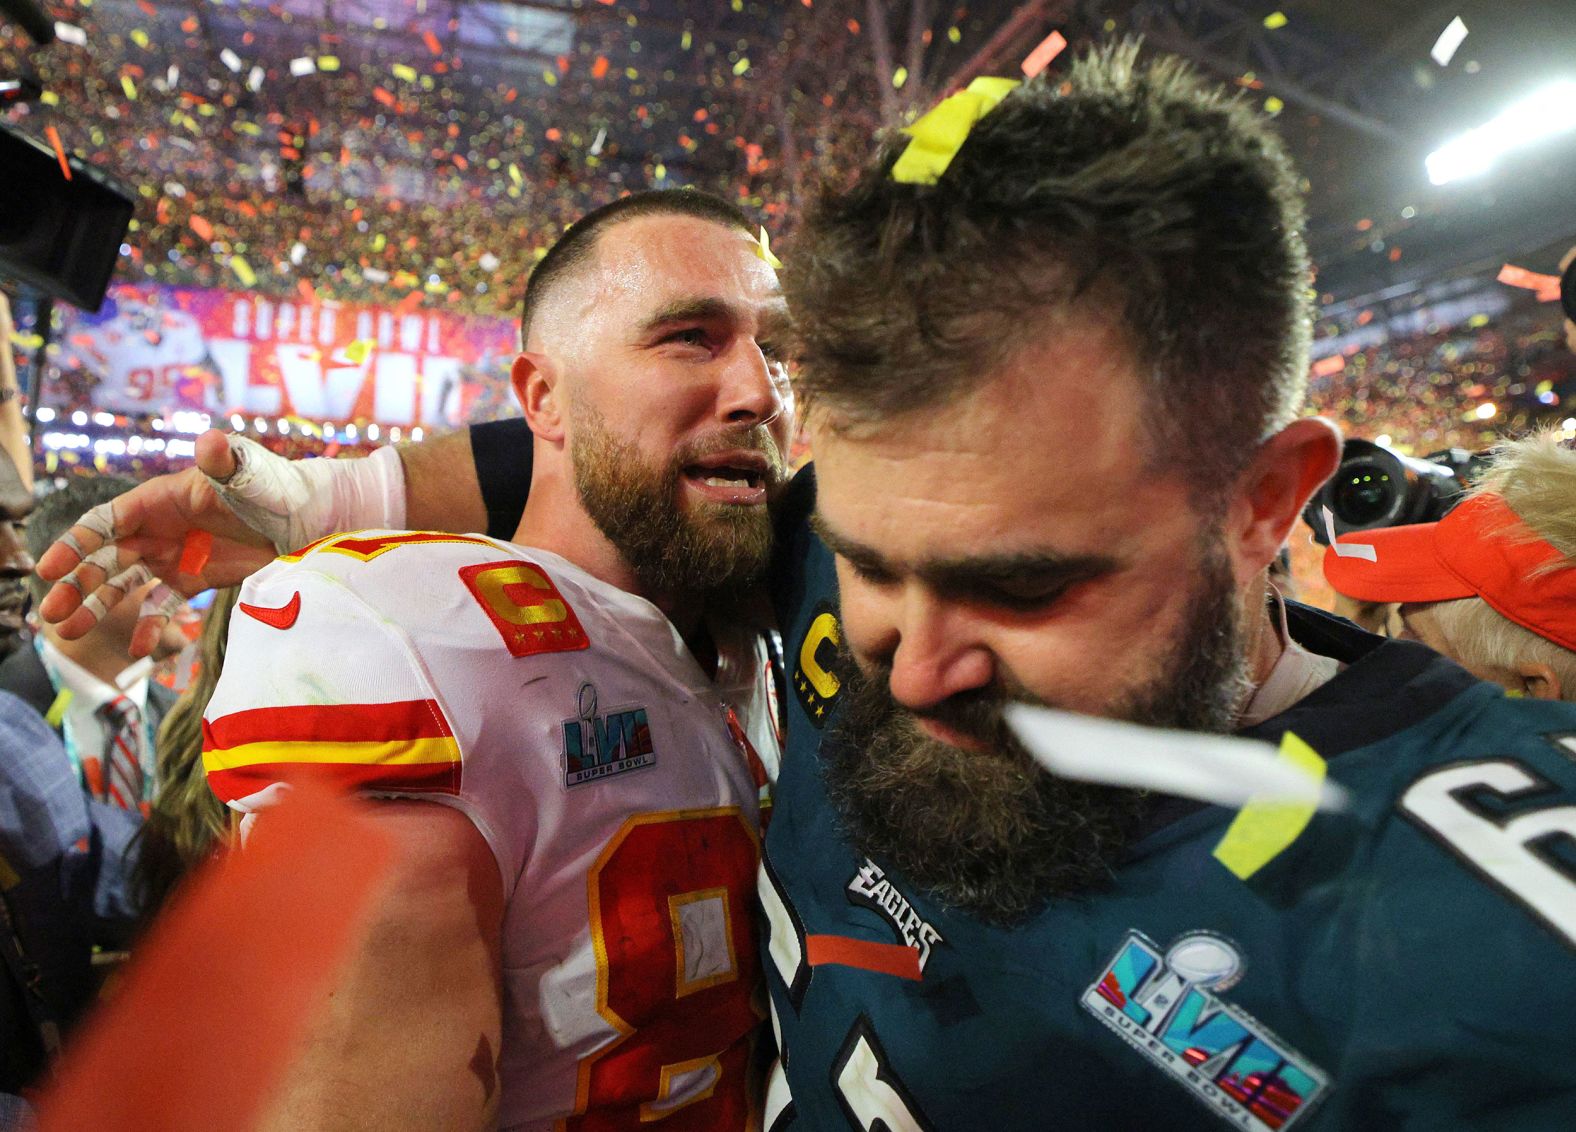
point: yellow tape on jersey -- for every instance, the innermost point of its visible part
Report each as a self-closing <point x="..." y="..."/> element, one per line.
<point x="1263" y="831"/>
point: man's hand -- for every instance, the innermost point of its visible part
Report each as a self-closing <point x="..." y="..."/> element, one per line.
<point x="142" y="534"/>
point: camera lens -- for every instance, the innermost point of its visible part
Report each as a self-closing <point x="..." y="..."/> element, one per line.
<point x="1363" y="494"/>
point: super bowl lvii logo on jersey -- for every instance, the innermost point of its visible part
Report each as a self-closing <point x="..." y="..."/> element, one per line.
<point x="600" y="745"/>
<point x="1168" y="1007"/>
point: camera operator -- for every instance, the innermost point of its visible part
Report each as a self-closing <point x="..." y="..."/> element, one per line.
<point x="1492" y="585"/>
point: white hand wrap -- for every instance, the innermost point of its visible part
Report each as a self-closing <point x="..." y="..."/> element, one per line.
<point x="293" y="502"/>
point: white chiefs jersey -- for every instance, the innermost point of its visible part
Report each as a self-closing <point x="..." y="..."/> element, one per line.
<point x="141" y="356"/>
<point x="619" y="787"/>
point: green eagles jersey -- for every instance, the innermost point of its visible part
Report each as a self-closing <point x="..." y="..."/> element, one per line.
<point x="1410" y="963"/>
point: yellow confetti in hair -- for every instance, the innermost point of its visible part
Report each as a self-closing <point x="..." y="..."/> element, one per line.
<point x="934" y="140"/>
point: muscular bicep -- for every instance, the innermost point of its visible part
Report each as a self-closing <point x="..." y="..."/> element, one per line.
<point x="407" y="1036"/>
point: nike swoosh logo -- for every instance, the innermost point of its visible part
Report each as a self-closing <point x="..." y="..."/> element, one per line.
<point x="281" y="617"/>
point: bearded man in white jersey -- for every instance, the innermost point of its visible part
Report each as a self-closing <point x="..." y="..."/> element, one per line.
<point x="569" y="941"/>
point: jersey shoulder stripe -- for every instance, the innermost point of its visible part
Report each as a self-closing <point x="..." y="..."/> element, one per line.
<point x="405" y="746"/>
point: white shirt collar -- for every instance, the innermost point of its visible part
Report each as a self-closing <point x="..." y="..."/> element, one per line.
<point x="88" y="692"/>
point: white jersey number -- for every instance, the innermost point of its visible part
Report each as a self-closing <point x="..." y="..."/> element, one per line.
<point x="1502" y="849"/>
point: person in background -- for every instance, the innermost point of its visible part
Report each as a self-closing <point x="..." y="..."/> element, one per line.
<point x="186" y="822"/>
<point x="65" y="858"/>
<point x="1492" y="585"/>
<point x="102" y="704"/>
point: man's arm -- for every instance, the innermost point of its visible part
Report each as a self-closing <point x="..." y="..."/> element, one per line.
<point x="14" y="440"/>
<point x="459" y="482"/>
<point x="408" y="1036"/>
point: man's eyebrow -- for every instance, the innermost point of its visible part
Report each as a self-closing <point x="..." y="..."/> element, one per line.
<point x="689" y="310"/>
<point x="969" y="571"/>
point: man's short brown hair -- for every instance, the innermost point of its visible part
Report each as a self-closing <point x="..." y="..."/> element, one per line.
<point x="1131" y="190"/>
<point x="577" y="243"/>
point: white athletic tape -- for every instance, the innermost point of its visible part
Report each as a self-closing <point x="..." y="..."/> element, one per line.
<point x="161" y="602"/>
<point x="106" y="558"/>
<point x="76" y="547"/>
<point x="130" y="578"/>
<point x="100" y="520"/>
<point x="294" y="502"/>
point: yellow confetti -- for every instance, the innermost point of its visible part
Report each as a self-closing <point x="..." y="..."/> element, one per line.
<point x="49" y="98"/>
<point x="358" y="350"/>
<point x="243" y="271"/>
<point x="249" y="128"/>
<point x="660" y="172"/>
<point x="935" y="139"/>
<point x="685" y="41"/>
<point x="1275" y="20"/>
<point x="139" y="37"/>
<point x="26" y="341"/>
<point x="404" y="72"/>
<point x="129" y="87"/>
<point x="549" y="77"/>
<point x="742" y="65"/>
<point x="1273" y="105"/>
<point x="1264" y="830"/>
<point x="514" y="174"/>
<point x="379" y="242"/>
<point x="954" y="35"/>
<point x="763" y="248"/>
<point x="899" y="77"/>
<point x="328" y="62"/>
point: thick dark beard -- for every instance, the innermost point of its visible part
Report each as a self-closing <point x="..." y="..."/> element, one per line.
<point x="709" y="550"/>
<point x="991" y="833"/>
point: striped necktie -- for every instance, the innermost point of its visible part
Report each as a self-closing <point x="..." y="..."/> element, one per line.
<point x="123" y="780"/>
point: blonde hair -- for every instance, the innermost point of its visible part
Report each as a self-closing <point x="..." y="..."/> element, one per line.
<point x="1536" y="477"/>
<point x="186" y="821"/>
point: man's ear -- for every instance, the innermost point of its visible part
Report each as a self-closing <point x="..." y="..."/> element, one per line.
<point x="538" y="388"/>
<point x="1538" y="680"/>
<point x="1287" y="469"/>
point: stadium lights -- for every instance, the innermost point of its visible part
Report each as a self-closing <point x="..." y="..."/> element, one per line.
<point x="46" y="414"/>
<point x="1549" y="111"/>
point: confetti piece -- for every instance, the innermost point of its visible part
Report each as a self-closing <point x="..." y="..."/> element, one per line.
<point x="1546" y="287"/>
<point x="934" y="140"/>
<point x="60" y="151"/>
<point x="195" y="551"/>
<point x="201" y="227"/>
<point x="49" y="98"/>
<point x="305" y="289"/>
<point x="684" y="41"/>
<point x="1362" y="550"/>
<point x="328" y="62"/>
<point x="1040" y="58"/>
<point x="26" y="341"/>
<point x="70" y="33"/>
<point x="1273" y="105"/>
<point x="129" y="87"/>
<point x="954" y="35"/>
<point x="243" y="271"/>
<point x="358" y="351"/>
<point x="254" y="79"/>
<point x="1220" y="769"/>
<point x="286" y="912"/>
<point x="404" y="72"/>
<point x="1263" y="830"/>
<point x="303" y="65"/>
<point x="1275" y="21"/>
<point x="139" y="37"/>
<point x="763" y="248"/>
<point x="230" y="59"/>
<point x="599" y="68"/>
<point x="899" y="77"/>
<point x="1449" y="40"/>
<point x="742" y="65"/>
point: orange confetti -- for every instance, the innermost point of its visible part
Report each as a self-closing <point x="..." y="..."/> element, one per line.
<point x="195" y="551"/>
<point x="853" y="27"/>
<point x="409" y="303"/>
<point x="148" y="9"/>
<point x="432" y="43"/>
<point x="307" y="291"/>
<point x="60" y="151"/>
<point x="598" y="68"/>
<point x="189" y="24"/>
<point x="459" y="159"/>
<point x="554" y="133"/>
<point x="563" y="64"/>
<point x="700" y="115"/>
<point x="1038" y="59"/>
<point x="383" y="96"/>
<point x="201" y="227"/>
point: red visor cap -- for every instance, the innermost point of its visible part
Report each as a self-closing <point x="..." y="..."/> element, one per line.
<point x="1481" y="549"/>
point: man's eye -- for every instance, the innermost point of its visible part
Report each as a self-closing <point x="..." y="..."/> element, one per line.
<point x="870" y="575"/>
<point x="691" y="336"/>
<point x="1026" y="595"/>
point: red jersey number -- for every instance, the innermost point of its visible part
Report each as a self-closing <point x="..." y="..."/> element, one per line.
<point x="672" y="900"/>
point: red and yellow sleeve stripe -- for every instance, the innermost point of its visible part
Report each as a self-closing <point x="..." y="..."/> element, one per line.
<point x="405" y="746"/>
